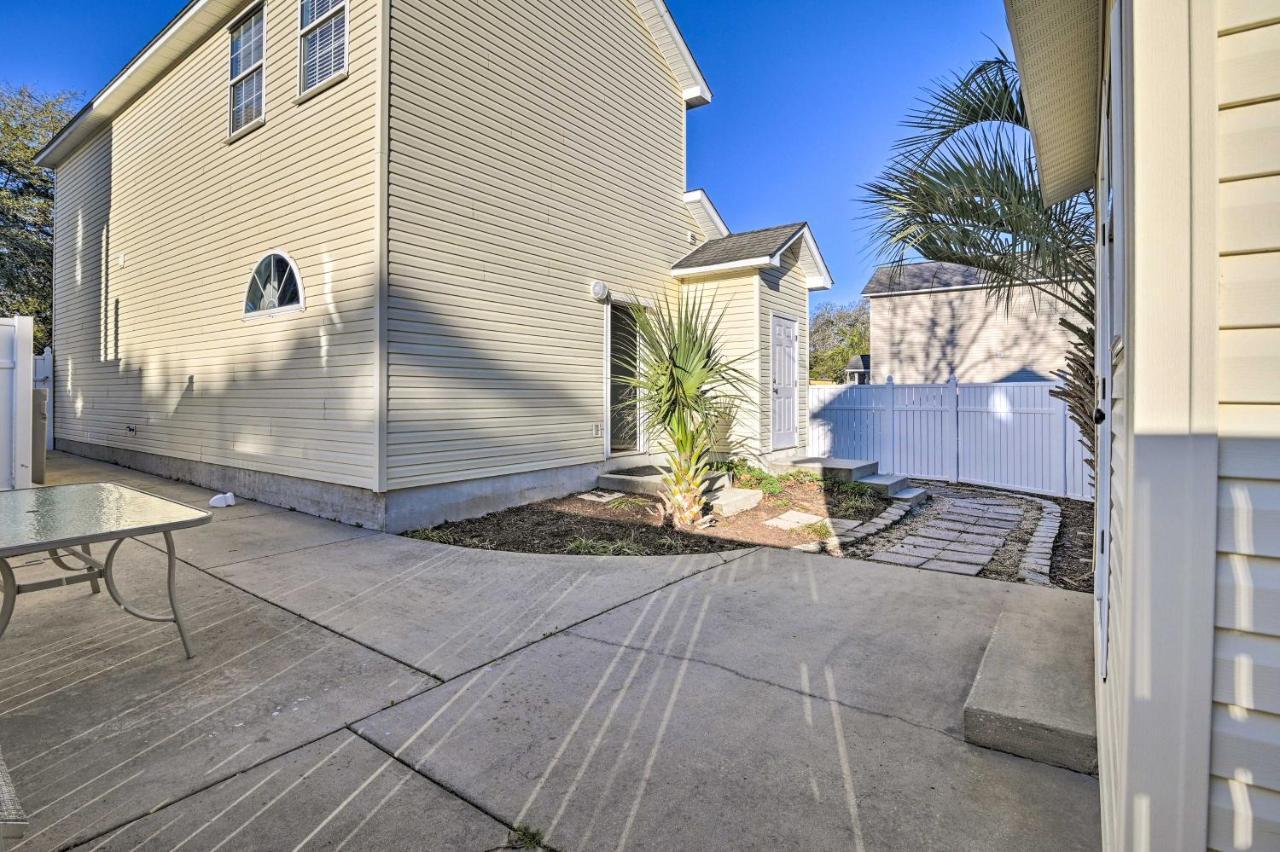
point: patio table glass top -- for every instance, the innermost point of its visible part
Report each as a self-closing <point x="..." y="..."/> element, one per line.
<point x="39" y="519"/>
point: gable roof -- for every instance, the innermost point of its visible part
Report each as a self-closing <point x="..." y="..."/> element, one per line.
<point x="757" y="250"/>
<point x="926" y="275"/>
<point x="199" y="18"/>
<point x="736" y="248"/>
<point x="1058" y="49"/>
<point x="859" y="362"/>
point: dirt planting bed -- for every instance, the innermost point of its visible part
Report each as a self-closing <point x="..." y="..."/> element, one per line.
<point x="630" y="526"/>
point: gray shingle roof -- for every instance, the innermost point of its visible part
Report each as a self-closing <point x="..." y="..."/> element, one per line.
<point x="921" y="276"/>
<point x="743" y="246"/>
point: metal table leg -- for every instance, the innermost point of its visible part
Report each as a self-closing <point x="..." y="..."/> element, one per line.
<point x="176" y="618"/>
<point x="9" y="586"/>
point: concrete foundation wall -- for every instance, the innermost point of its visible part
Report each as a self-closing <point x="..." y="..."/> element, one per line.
<point x="395" y="511"/>
<point x="429" y="505"/>
<point x="345" y="503"/>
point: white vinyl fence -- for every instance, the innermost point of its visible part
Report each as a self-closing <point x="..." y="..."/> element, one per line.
<point x="1006" y="435"/>
<point x="15" y="402"/>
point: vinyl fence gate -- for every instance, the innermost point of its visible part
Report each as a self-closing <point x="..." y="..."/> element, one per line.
<point x="16" y="379"/>
<point x="1007" y="434"/>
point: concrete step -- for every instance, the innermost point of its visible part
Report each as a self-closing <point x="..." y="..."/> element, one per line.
<point x="912" y="495"/>
<point x="730" y="501"/>
<point x="846" y="470"/>
<point x="1033" y="695"/>
<point x="887" y="484"/>
<point x="650" y="485"/>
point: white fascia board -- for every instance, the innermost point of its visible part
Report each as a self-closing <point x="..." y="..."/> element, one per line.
<point x="750" y="263"/>
<point x="697" y="93"/>
<point x="700" y="198"/>
<point x="821" y="281"/>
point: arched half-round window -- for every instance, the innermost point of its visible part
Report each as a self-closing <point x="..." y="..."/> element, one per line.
<point x="274" y="288"/>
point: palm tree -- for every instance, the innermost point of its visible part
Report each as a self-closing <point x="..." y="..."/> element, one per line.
<point x="964" y="188"/>
<point x="688" y="393"/>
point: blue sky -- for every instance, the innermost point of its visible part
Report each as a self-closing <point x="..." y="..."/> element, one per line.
<point x="808" y="93"/>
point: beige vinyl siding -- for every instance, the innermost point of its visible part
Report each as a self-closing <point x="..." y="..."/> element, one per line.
<point x="1245" y="757"/>
<point x="784" y="292"/>
<point x="534" y="147"/>
<point x="925" y="337"/>
<point x="704" y="226"/>
<point x="154" y="355"/>
<point x="738" y="295"/>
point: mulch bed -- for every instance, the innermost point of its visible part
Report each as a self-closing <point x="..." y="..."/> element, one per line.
<point x="1072" y="563"/>
<point x="630" y="526"/>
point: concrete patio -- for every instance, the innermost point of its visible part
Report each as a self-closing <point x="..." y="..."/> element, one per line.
<point x="354" y="690"/>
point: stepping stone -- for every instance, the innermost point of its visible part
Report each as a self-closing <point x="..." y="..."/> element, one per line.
<point x="915" y="550"/>
<point x="988" y="540"/>
<point x="925" y="541"/>
<point x="793" y="520"/>
<point x="898" y="559"/>
<point x="937" y="533"/>
<point x="1035" y="578"/>
<point x="977" y="549"/>
<point x="953" y="555"/>
<point x="951" y="567"/>
<point x="843" y="525"/>
<point x="601" y="496"/>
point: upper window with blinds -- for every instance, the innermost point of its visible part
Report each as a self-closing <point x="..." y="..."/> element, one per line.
<point x="324" y="41"/>
<point x="247" y="72"/>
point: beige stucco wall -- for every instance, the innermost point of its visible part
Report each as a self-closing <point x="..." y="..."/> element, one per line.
<point x="925" y="337"/>
<point x="158" y="226"/>
<point x="533" y="148"/>
<point x="1245" y="750"/>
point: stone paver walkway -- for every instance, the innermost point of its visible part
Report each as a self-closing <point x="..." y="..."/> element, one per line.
<point x="961" y="538"/>
<point x="353" y="690"/>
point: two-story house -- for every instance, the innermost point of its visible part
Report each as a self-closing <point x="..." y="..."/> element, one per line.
<point x="365" y="258"/>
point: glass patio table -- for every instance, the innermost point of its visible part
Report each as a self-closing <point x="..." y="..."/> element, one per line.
<point x="65" y="520"/>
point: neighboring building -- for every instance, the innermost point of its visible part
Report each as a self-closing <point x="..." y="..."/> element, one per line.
<point x="1171" y="112"/>
<point x="930" y="321"/>
<point x="858" y="370"/>
<point x="341" y="256"/>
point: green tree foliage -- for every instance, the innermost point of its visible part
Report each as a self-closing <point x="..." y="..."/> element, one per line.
<point x="836" y="334"/>
<point x="965" y="188"/>
<point x="27" y="122"/>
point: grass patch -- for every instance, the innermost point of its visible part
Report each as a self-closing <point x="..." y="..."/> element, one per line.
<point x="446" y="535"/>
<point x="629" y="503"/>
<point x="586" y="546"/>
<point x="820" y="530"/>
<point x="526" y="837"/>
<point x="848" y="498"/>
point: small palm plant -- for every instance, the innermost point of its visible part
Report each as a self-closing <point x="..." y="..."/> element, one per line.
<point x="688" y="392"/>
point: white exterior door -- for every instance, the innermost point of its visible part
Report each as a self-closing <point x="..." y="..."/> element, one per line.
<point x="785" y="383"/>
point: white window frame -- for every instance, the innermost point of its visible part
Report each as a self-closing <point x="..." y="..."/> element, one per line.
<point x="284" y="309"/>
<point x="341" y="8"/>
<point x="235" y="133"/>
